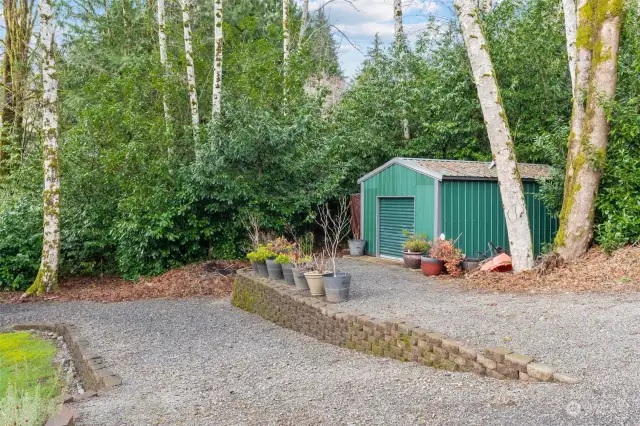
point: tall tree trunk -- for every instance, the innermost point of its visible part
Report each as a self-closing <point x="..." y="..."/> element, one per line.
<point x="47" y="279"/>
<point x="598" y="40"/>
<point x="570" y="28"/>
<point x="399" y="33"/>
<point x="217" y="69"/>
<point x="305" y="22"/>
<point x="286" y="47"/>
<point x="515" y="210"/>
<point x="19" y="20"/>
<point x="162" y="40"/>
<point x="191" y="73"/>
<point x="286" y="34"/>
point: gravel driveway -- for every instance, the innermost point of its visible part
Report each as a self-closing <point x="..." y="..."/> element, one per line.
<point x="204" y="362"/>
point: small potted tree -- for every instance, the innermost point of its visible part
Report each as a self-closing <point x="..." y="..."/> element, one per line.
<point x="336" y="228"/>
<point x="314" y="276"/>
<point x="251" y="221"/>
<point x="443" y="255"/>
<point x="415" y="246"/>
<point x="302" y="260"/>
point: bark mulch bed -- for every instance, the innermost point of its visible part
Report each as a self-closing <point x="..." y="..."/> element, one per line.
<point x="213" y="279"/>
<point x="594" y="272"/>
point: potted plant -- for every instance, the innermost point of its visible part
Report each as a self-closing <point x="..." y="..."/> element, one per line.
<point x="278" y="246"/>
<point x="285" y="262"/>
<point x="415" y="246"/>
<point x="259" y="257"/>
<point x="443" y="255"/>
<point x="356" y="245"/>
<point x="314" y="276"/>
<point x="302" y="260"/>
<point x="336" y="228"/>
<point x="251" y="222"/>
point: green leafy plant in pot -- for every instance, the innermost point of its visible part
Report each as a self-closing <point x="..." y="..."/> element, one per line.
<point x="336" y="228"/>
<point x="259" y="257"/>
<point x="278" y="246"/>
<point x="286" y="263"/>
<point x="414" y="247"/>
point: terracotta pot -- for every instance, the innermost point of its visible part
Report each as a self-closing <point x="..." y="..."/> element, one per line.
<point x="411" y="260"/>
<point x="431" y="266"/>
<point x="314" y="280"/>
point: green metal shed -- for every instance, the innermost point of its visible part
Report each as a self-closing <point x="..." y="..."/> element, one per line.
<point x="457" y="198"/>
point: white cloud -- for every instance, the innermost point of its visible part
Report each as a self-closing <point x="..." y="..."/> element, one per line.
<point x="360" y="20"/>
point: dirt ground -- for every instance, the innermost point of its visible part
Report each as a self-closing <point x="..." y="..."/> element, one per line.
<point x="213" y="278"/>
<point x="594" y="272"/>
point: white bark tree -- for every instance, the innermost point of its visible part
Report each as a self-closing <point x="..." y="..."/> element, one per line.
<point x="570" y="28"/>
<point x="305" y="22"/>
<point x="511" y="189"/>
<point x="399" y="34"/>
<point x="191" y="73"/>
<point x="162" y="41"/>
<point x="596" y="77"/>
<point x="286" y="34"/>
<point x="47" y="278"/>
<point x="217" y="68"/>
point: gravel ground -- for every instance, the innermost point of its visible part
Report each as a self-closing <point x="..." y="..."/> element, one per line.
<point x="204" y="362"/>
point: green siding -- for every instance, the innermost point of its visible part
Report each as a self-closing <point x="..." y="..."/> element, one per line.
<point x="398" y="181"/>
<point x="396" y="215"/>
<point x="473" y="211"/>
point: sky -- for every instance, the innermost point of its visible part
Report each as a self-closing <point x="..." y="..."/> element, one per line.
<point x="360" y="20"/>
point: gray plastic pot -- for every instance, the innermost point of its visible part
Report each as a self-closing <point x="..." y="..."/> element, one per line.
<point x="288" y="274"/>
<point x="254" y="267"/>
<point x="356" y="247"/>
<point x="337" y="286"/>
<point x="262" y="269"/>
<point x="299" y="279"/>
<point x="274" y="270"/>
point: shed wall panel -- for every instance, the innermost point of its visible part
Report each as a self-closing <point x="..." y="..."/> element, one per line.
<point x="398" y="181"/>
<point x="473" y="211"/>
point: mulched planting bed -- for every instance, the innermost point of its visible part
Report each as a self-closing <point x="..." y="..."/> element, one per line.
<point x="594" y="272"/>
<point x="213" y="278"/>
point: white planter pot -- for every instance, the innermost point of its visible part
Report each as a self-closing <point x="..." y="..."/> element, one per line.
<point x="314" y="280"/>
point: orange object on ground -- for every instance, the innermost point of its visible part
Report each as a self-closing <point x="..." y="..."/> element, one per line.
<point x="500" y="263"/>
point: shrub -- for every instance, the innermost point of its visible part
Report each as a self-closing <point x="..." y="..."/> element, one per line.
<point x="447" y="252"/>
<point x="416" y="243"/>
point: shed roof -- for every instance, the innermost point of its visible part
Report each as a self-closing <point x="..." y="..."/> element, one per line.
<point x="457" y="169"/>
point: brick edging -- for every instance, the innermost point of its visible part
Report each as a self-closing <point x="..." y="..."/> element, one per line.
<point x="297" y="310"/>
<point x="90" y="367"/>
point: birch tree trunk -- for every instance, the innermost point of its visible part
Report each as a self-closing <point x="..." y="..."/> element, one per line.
<point x="191" y="73"/>
<point x="583" y="70"/>
<point x="399" y="33"/>
<point x="47" y="279"/>
<point x="598" y="39"/>
<point x="217" y="67"/>
<point x="570" y="28"/>
<point x="162" y="41"/>
<point x="305" y="22"/>
<point x="511" y="189"/>
<point x="286" y="34"/>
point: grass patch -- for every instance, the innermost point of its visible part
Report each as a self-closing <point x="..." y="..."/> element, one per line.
<point x="29" y="381"/>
